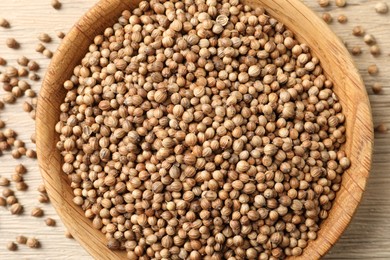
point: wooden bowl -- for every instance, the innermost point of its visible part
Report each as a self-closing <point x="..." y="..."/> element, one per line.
<point x="307" y="27"/>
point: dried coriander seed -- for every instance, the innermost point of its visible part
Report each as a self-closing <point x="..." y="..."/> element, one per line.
<point x="327" y="17"/>
<point x="369" y="39"/>
<point x="342" y="19"/>
<point x="16" y="209"/>
<point x="3" y="202"/>
<point x="23" y="61"/>
<point x="381" y="8"/>
<point x="44" y="37"/>
<point x="33" y="65"/>
<point x="47" y="53"/>
<point x="12" y="43"/>
<point x="381" y="128"/>
<point x="60" y="35"/>
<point x="377" y="88"/>
<point x="11" y="246"/>
<point x="4" y="181"/>
<point x="358" y="31"/>
<point x="21" y="240"/>
<point x="56" y="4"/>
<point x="4" y="23"/>
<point x="32" y="242"/>
<point x="50" y="222"/>
<point x="323" y="3"/>
<point x="373" y="69"/>
<point x="37" y="212"/>
<point x="68" y="234"/>
<point x="375" y="50"/>
<point x="340" y="3"/>
<point x="40" y="48"/>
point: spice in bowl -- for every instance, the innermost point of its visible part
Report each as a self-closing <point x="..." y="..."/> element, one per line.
<point x="202" y="130"/>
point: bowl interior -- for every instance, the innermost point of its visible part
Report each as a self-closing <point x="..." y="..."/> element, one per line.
<point x="308" y="28"/>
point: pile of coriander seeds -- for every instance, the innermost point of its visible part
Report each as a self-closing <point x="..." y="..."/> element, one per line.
<point x="202" y="130"/>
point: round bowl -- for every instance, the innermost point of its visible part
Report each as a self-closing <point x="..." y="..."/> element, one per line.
<point x="308" y="28"/>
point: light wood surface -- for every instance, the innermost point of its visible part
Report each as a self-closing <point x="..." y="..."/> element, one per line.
<point x="367" y="237"/>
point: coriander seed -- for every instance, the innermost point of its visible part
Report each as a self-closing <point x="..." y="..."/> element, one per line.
<point x="358" y="31"/>
<point x="369" y="39"/>
<point x="4" y="23"/>
<point x="323" y="3"/>
<point x="381" y="128"/>
<point x="341" y="3"/>
<point x="50" y="222"/>
<point x="32" y="242"/>
<point x="342" y="19"/>
<point x="12" y="43"/>
<point x="375" y="50"/>
<point x="16" y="209"/>
<point x="381" y="8"/>
<point x="21" y="240"/>
<point x="37" y="212"/>
<point x="44" y="37"/>
<point x="377" y="88"/>
<point x="56" y="4"/>
<point x="11" y="246"/>
<point x="373" y="69"/>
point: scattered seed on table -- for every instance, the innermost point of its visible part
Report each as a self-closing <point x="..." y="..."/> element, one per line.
<point x="21" y="169"/>
<point x="40" y="48"/>
<point x="68" y="234"/>
<point x="358" y="30"/>
<point x="323" y="3"/>
<point x="373" y="69"/>
<point x="342" y="18"/>
<point x="16" y="177"/>
<point x="22" y="61"/>
<point x="33" y="76"/>
<point x="11" y="200"/>
<point x="31" y="154"/>
<point x="341" y="3"/>
<point x="4" y="23"/>
<point x="61" y="35"/>
<point x="22" y="72"/>
<point x="37" y="212"/>
<point x="32" y="242"/>
<point x="327" y="17"/>
<point x="375" y="50"/>
<point x="377" y="88"/>
<point x="381" y="8"/>
<point x="27" y="107"/>
<point x="3" y="202"/>
<point x="9" y="98"/>
<point x="11" y="246"/>
<point x="43" y="198"/>
<point x="56" y="4"/>
<point x="4" y="181"/>
<point x="381" y="128"/>
<point x="41" y="188"/>
<point x="21" y="186"/>
<point x="33" y="65"/>
<point x="50" y="222"/>
<point x="12" y="43"/>
<point x="44" y="37"/>
<point x="48" y="53"/>
<point x="2" y="61"/>
<point x="369" y="39"/>
<point x="2" y="124"/>
<point x="21" y="240"/>
<point x="16" y="209"/>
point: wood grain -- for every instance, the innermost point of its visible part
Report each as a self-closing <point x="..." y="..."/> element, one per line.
<point x="367" y="237"/>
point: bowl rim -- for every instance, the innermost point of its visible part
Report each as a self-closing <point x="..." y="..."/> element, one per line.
<point x="98" y="15"/>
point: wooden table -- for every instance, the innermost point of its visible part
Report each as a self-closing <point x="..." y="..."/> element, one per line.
<point x="368" y="237"/>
